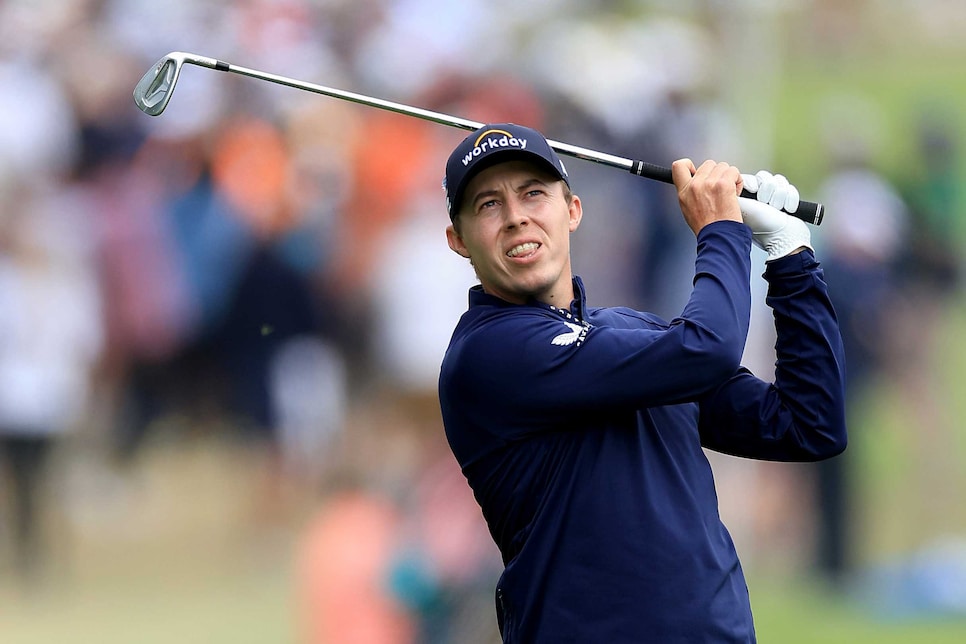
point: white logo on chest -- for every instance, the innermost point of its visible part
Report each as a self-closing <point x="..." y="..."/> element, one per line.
<point x="570" y="337"/>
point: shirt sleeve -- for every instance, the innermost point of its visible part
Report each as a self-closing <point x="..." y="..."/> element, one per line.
<point x="613" y="368"/>
<point x="801" y="417"/>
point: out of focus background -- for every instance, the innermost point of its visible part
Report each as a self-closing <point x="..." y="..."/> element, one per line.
<point x="220" y="328"/>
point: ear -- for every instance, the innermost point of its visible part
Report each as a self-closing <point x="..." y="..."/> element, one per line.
<point x="456" y="242"/>
<point x="576" y="213"/>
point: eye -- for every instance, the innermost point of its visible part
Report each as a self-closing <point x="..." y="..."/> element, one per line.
<point x="536" y="192"/>
<point x="487" y="204"/>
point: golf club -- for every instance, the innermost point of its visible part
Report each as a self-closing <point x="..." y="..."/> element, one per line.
<point x="154" y="90"/>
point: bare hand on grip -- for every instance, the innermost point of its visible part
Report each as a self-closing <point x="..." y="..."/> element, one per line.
<point x="707" y="193"/>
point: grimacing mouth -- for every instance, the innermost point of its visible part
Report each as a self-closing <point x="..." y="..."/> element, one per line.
<point x="523" y="249"/>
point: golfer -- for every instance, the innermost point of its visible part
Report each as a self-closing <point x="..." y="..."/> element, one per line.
<point x="580" y="429"/>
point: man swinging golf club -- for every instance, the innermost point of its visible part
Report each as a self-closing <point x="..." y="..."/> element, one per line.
<point x="580" y="429"/>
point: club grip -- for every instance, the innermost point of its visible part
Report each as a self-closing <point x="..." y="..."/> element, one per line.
<point x="808" y="211"/>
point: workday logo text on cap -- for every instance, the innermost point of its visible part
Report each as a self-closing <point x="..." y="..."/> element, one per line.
<point x="493" y="144"/>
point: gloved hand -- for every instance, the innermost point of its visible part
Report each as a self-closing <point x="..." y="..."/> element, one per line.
<point x="777" y="233"/>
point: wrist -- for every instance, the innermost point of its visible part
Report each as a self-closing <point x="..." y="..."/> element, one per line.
<point x="792" y="253"/>
<point x="724" y="227"/>
<point x="791" y="265"/>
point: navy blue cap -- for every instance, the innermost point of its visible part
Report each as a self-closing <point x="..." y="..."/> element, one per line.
<point x="492" y="144"/>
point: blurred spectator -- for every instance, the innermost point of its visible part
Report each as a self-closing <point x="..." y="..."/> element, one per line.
<point x="930" y="285"/>
<point x="308" y="391"/>
<point x="150" y="314"/>
<point x="39" y="137"/>
<point x="446" y="561"/>
<point x="50" y="341"/>
<point x="341" y="561"/>
<point x="863" y="245"/>
<point x="398" y="495"/>
<point x="270" y="300"/>
<point x="932" y="263"/>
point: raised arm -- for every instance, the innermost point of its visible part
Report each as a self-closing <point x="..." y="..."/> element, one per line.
<point x="801" y="417"/>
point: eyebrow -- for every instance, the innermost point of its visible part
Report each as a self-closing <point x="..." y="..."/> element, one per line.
<point x="520" y="188"/>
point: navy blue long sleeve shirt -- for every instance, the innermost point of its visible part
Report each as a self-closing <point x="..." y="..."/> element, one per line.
<point x="580" y="433"/>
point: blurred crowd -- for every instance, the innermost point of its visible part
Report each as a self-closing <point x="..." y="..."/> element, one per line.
<point x="270" y="265"/>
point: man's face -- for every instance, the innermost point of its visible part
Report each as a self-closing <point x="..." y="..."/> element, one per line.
<point x="514" y="225"/>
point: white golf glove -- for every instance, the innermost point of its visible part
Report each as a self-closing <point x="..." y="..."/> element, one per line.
<point x="772" y="230"/>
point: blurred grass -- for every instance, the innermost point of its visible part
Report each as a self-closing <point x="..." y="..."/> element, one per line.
<point x="796" y="612"/>
<point x="909" y="448"/>
<point x="140" y="607"/>
<point x="172" y="551"/>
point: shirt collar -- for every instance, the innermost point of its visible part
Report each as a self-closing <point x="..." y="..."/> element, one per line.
<point x="578" y="305"/>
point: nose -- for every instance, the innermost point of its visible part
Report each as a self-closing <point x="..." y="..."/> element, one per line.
<point x="514" y="214"/>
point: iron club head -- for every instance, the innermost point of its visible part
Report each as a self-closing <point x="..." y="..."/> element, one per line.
<point x="154" y="90"/>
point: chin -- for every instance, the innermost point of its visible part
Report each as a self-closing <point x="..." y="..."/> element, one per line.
<point x="530" y="289"/>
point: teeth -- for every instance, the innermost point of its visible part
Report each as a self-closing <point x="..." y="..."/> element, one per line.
<point x="522" y="248"/>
